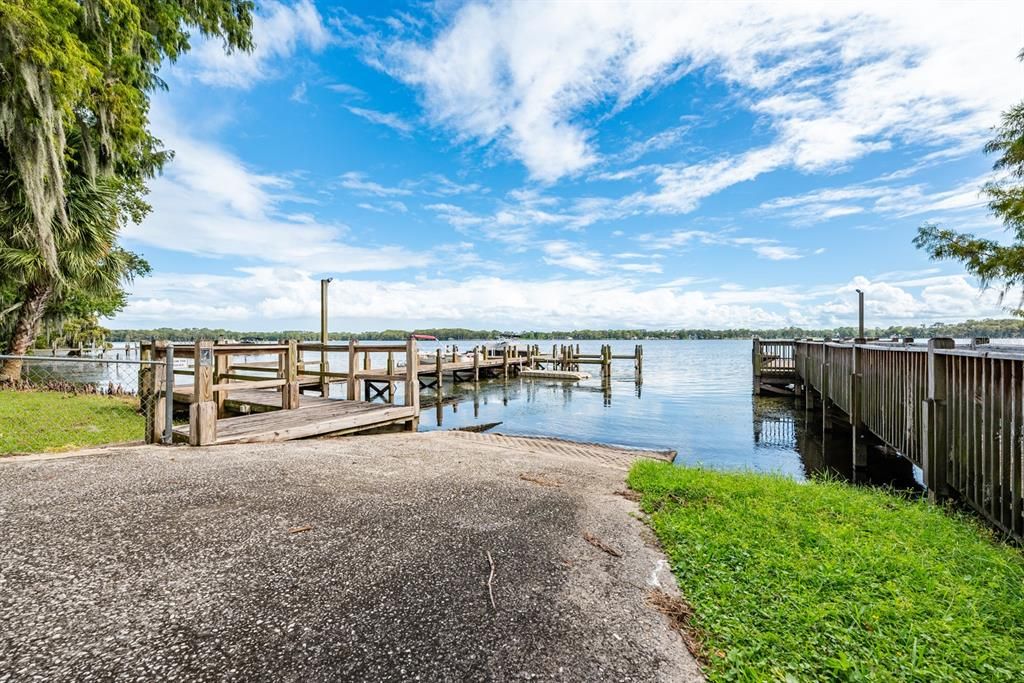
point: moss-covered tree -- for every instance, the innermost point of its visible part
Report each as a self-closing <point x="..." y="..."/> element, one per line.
<point x="75" y="81"/>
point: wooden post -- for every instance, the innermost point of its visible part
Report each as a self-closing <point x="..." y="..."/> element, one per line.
<point x="367" y="365"/>
<point x="391" y="372"/>
<point x="554" y="356"/>
<point x="290" y="391"/>
<point x="935" y="448"/>
<point x="476" y="364"/>
<point x="351" y="391"/>
<point x="325" y="382"/>
<point x="826" y="402"/>
<point x="202" y="413"/>
<point x="438" y="368"/>
<point x="755" y="360"/>
<point x="412" y="383"/>
<point x="220" y="368"/>
<point x="857" y="428"/>
<point x="504" y="362"/>
<point x="154" y="394"/>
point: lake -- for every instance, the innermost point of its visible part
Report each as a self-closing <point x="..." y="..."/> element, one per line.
<point x="694" y="397"/>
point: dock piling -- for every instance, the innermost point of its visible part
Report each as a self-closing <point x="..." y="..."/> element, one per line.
<point x="202" y="412"/>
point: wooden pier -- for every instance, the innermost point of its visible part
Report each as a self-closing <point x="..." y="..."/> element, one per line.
<point x="957" y="412"/>
<point x="230" y="398"/>
<point x="238" y="402"/>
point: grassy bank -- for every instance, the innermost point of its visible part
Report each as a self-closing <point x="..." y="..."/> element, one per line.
<point x="825" y="581"/>
<point x="40" y="421"/>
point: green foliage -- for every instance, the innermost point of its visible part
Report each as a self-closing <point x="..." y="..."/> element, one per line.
<point x="92" y="269"/>
<point x="87" y="67"/>
<point x="992" y="262"/>
<point x="994" y="328"/>
<point x="66" y="421"/>
<point x="826" y="581"/>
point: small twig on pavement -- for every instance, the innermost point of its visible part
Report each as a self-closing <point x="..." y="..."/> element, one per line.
<point x="300" y="529"/>
<point x="490" y="581"/>
<point x="598" y="543"/>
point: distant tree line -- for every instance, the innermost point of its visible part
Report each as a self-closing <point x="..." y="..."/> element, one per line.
<point x="992" y="327"/>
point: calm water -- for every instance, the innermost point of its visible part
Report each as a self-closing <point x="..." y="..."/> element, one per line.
<point x="694" y="397"/>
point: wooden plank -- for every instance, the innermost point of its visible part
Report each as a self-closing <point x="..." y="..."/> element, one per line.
<point x="297" y="428"/>
<point x="262" y="384"/>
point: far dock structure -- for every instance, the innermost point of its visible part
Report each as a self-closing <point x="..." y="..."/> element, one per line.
<point x="957" y="412"/>
<point x="230" y="401"/>
<point x="567" y="357"/>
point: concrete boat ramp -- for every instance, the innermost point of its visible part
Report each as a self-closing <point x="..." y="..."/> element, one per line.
<point x="364" y="558"/>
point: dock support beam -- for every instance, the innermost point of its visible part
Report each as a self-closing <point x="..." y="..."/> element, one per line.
<point x="202" y="413"/>
<point x="935" y="450"/>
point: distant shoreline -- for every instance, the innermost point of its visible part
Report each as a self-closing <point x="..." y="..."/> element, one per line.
<point x="1002" y="328"/>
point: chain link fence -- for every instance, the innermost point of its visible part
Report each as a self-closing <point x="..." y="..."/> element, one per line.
<point x="62" y="403"/>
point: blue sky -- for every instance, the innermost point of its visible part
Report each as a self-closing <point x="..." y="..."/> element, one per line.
<point x="559" y="165"/>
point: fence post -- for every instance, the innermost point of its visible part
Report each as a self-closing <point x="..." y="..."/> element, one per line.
<point x="935" y="448"/>
<point x="857" y="428"/>
<point x="412" y="383"/>
<point x="202" y="413"/>
<point x="168" y="437"/>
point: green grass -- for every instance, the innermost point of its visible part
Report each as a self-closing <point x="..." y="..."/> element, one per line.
<point x="825" y="581"/>
<point x="41" y="421"/>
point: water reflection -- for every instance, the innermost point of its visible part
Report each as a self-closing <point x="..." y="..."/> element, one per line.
<point x="694" y="397"/>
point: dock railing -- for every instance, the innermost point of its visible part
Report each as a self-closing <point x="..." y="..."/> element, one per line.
<point x="955" y="412"/>
<point x="219" y="369"/>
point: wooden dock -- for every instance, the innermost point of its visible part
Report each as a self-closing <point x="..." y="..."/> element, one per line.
<point x="957" y="412"/>
<point x="231" y="398"/>
<point x="232" y="401"/>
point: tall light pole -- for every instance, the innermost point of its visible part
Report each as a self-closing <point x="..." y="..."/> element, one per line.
<point x="325" y="385"/>
<point x="860" y="314"/>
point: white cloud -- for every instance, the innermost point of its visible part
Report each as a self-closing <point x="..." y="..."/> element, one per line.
<point x="382" y="118"/>
<point x="279" y="297"/>
<point x="775" y="253"/>
<point x="357" y="182"/>
<point x="834" y="81"/>
<point x="888" y="199"/>
<point x="278" y="32"/>
<point x="299" y="93"/>
<point x="347" y="89"/>
<point x="210" y="204"/>
<point x="572" y="256"/>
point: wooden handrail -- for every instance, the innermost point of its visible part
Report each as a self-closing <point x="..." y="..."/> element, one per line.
<point x="261" y="384"/>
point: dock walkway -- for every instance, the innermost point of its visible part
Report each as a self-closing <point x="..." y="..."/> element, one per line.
<point x="955" y="411"/>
